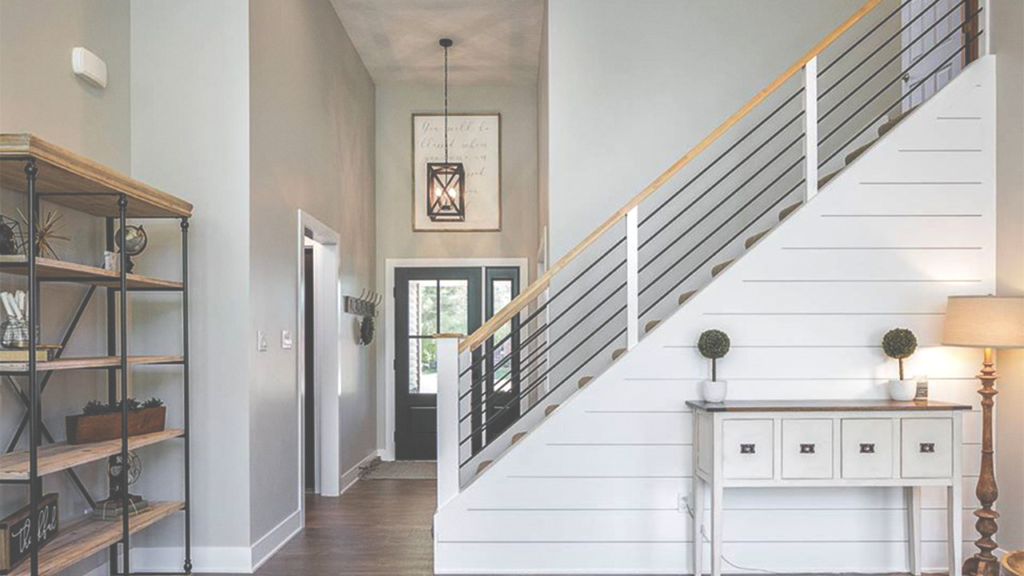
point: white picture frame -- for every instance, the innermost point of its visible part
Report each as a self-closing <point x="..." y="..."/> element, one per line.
<point x="474" y="140"/>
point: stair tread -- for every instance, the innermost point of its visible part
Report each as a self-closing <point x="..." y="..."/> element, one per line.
<point x="616" y="354"/>
<point x="518" y="436"/>
<point x="789" y="210"/>
<point x="719" y="268"/>
<point x="483" y="465"/>
<point x="858" y="152"/>
<point x="584" y="381"/>
<point x="756" y="237"/>
<point x="824" y="180"/>
<point x="686" y="296"/>
<point x="550" y="409"/>
<point x="651" y="325"/>
<point x="893" y="121"/>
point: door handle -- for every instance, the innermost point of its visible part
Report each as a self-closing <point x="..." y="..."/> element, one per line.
<point x="748" y="448"/>
<point x="867" y="448"/>
<point x="927" y="448"/>
<point x="807" y="448"/>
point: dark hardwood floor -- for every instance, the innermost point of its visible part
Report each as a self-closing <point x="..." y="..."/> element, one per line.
<point x="376" y="528"/>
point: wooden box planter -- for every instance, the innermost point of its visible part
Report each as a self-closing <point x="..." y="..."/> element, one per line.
<point x="84" y="429"/>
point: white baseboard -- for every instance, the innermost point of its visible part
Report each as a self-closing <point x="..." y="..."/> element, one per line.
<point x="216" y="560"/>
<point x="272" y="541"/>
<point x="352" y="475"/>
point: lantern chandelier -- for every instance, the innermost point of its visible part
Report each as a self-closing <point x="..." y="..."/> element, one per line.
<point x="446" y="181"/>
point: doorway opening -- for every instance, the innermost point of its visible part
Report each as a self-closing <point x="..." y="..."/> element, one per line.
<point x="311" y="440"/>
<point x="448" y="297"/>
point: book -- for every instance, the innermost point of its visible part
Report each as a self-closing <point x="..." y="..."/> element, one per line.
<point x="21" y="356"/>
<point x="111" y="511"/>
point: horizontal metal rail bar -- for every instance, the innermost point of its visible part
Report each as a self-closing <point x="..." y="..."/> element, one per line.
<point x="708" y="214"/>
<point x="892" y="59"/>
<point x="878" y="49"/>
<point x="526" y="392"/>
<point x="671" y="243"/>
<point x="540" y="330"/>
<point x="734" y="145"/>
<point x="582" y="318"/>
<point x="871" y="32"/>
<point x="524" y="323"/>
<point x="554" y="388"/>
<point x="903" y="97"/>
<point x="713" y="232"/>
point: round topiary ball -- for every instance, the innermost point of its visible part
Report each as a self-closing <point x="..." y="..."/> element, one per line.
<point x="713" y="344"/>
<point x="899" y="343"/>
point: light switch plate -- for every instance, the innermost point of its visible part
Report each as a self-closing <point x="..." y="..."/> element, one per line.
<point x="286" y="339"/>
<point x="261" y="341"/>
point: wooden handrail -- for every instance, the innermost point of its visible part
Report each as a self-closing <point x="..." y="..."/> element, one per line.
<point x="534" y="290"/>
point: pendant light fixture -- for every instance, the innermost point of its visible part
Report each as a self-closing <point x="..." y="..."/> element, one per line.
<point x="446" y="181"/>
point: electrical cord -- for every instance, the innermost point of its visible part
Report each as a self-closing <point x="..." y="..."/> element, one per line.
<point x="705" y="538"/>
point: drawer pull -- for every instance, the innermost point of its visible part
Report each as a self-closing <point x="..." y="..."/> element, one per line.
<point x="807" y="448"/>
<point x="748" y="449"/>
<point x="927" y="448"/>
<point x="867" y="448"/>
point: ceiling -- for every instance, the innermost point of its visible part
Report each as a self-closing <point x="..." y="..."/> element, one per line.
<point x="496" y="41"/>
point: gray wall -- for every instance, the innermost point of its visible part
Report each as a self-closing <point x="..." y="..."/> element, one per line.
<point x="39" y="94"/>
<point x="312" y="149"/>
<point x="636" y="83"/>
<point x="190" y="137"/>
<point x="1008" y="44"/>
<point x="518" y="237"/>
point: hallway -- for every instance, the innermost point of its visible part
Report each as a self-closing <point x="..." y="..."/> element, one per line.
<point x="377" y="527"/>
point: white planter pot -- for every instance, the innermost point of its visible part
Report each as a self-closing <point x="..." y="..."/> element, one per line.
<point x="714" y="391"/>
<point x="903" y="390"/>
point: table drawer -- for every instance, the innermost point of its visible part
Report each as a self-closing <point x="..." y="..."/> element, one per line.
<point x="807" y="449"/>
<point x="867" y="448"/>
<point x="747" y="449"/>
<point x="927" y="448"/>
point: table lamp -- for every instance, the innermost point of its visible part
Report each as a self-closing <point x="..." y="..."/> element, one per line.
<point x="985" y="322"/>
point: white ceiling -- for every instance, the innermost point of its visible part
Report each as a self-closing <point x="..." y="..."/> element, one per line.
<point x="496" y="41"/>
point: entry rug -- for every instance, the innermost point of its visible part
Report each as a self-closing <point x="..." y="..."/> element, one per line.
<point x="399" y="470"/>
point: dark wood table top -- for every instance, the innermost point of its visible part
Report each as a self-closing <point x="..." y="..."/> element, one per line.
<point x="823" y="406"/>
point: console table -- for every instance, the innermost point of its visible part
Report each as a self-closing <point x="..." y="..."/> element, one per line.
<point x="760" y="444"/>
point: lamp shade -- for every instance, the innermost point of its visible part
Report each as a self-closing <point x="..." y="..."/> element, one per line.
<point x="984" y="322"/>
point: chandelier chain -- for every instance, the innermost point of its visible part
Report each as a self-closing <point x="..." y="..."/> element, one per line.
<point x="445" y="104"/>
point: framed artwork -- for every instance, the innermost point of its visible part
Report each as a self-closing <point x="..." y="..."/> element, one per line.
<point x="474" y="140"/>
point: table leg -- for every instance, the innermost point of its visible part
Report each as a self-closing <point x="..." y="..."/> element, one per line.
<point x="717" y="532"/>
<point x="955" y="506"/>
<point x="697" y="503"/>
<point x="912" y="496"/>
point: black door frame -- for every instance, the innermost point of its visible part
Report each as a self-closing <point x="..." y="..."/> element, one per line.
<point x="405" y="438"/>
<point x="502" y="407"/>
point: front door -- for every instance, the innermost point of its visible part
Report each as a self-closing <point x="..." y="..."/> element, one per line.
<point x="428" y="301"/>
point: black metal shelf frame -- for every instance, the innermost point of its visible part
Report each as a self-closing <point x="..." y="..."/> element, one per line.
<point x="117" y="346"/>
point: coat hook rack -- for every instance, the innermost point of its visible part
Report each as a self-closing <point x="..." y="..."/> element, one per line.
<point x="365" y="304"/>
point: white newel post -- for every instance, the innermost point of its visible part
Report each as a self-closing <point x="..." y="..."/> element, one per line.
<point x="811" y="127"/>
<point x="632" y="278"/>
<point x="447" y="417"/>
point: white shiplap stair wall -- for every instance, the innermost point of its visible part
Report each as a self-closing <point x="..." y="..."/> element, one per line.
<point x="596" y="487"/>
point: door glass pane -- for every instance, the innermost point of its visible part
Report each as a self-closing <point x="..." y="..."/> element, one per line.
<point x="422" y="366"/>
<point x="501" y="295"/>
<point x="455" y="306"/>
<point x="422" y="308"/>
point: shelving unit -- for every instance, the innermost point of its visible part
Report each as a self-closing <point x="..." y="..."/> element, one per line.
<point x="43" y="170"/>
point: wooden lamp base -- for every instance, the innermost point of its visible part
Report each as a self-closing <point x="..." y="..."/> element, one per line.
<point x="984" y="563"/>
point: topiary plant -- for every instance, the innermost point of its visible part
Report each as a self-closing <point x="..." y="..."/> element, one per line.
<point x="713" y="345"/>
<point x="899" y="344"/>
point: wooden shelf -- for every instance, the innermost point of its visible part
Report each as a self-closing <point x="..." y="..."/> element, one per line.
<point x="71" y="272"/>
<point x="88" y="363"/>
<point x="83" y="184"/>
<point x="82" y="538"/>
<point x="61" y="456"/>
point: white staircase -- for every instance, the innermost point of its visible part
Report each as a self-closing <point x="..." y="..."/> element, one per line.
<point x="590" y="476"/>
